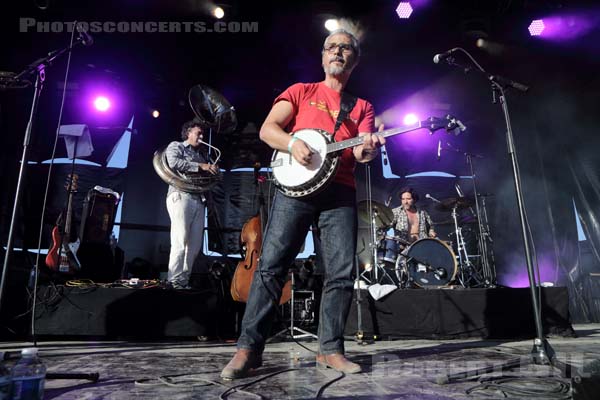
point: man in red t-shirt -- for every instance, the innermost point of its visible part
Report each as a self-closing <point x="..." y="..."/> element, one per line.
<point x="331" y="211"/>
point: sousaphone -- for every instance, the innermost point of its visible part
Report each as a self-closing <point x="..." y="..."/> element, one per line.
<point x="217" y="115"/>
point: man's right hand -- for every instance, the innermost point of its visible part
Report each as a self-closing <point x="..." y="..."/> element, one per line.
<point x="210" y="168"/>
<point x="302" y="152"/>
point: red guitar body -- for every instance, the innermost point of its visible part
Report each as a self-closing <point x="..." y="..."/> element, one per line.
<point x="53" y="258"/>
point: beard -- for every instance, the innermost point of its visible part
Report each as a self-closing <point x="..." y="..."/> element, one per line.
<point x="334" y="69"/>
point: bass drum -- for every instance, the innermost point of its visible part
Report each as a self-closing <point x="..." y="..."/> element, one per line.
<point x="427" y="263"/>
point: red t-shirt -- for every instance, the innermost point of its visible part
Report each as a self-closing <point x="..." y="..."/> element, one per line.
<point x="317" y="106"/>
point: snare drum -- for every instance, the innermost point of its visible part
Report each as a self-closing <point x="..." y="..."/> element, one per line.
<point x="428" y="263"/>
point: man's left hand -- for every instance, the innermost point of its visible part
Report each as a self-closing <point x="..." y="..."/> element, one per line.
<point x="370" y="147"/>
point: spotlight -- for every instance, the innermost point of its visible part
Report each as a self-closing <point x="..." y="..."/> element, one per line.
<point x="410" y="119"/>
<point x="101" y="103"/>
<point x="404" y="10"/>
<point x="218" y="12"/>
<point x="536" y="27"/>
<point x="155" y="113"/>
<point x="332" y="24"/>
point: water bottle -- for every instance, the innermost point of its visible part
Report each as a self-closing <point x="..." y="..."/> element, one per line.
<point x="5" y="379"/>
<point x="28" y="376"/>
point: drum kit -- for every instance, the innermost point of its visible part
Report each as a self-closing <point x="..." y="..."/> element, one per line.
<point x="428" y="263"/>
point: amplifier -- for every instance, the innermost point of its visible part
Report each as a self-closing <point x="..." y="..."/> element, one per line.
<point x="98" y="215"/>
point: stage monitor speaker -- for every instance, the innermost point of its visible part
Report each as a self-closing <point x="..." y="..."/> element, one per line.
<point x="98" y="216"/>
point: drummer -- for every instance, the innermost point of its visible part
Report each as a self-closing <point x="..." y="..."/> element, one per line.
<point x="410" y="222"/>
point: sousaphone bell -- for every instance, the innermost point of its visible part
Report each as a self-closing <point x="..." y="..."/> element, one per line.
<point x="217" y="115"/>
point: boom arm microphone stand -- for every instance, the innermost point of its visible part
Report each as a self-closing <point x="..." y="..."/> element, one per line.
<point x="38" y="68"/>
<point x="542" y="353"/>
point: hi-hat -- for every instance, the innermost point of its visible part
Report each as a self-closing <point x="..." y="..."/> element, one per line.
<point x="451" y="202"/>
<point x="383" y="215"/>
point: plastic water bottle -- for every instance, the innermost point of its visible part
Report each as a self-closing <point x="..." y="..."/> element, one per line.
<point x="28" y="376"/>
<point x="5" y="380"/>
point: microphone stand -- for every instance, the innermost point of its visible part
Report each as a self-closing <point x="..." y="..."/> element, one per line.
<point x="542" y="352"/>
<point x="38" y="67"/>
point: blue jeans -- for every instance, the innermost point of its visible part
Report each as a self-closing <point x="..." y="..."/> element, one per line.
<point x="333" y="214"/>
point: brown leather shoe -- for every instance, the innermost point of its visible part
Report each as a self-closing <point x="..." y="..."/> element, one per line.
<point x="243" y="361"/>
<point x="337" y="362"/>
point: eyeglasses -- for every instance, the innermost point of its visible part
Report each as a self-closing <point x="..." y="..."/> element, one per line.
<point x="332" y="47"/>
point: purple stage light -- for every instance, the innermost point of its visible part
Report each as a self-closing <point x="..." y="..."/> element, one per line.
<point x="517" y="276"/>
<point x="404" y="9"/>
<point x="410" y="119"/>
<point x="565" y="27"/>
<point x="536" y="27"/>
<point x="101" y="103"/>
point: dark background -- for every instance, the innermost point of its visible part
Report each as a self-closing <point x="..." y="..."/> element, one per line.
<point x="555" y="123"/>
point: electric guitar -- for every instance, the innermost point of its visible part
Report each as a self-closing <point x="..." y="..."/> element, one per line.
<point x="62" y="256"/>
<point x="297" y="180"/>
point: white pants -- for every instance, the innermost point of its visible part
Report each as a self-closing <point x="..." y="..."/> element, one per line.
<point x="187" y="234"/>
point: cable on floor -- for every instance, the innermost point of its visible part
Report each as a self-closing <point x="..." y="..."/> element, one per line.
<point x="521" y="387"/>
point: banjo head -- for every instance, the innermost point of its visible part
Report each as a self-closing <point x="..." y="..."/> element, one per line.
<point x="289" y="173"/>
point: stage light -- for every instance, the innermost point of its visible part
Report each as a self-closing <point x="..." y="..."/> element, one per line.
<point x="536" y="27"/>
<point x="155" y="113"/>
<point x="101" y="103"/>
<point x="218" y="12"/>
<point x="332" y="24"/>
<point x="404" y="9"/>
<point x="410" y="119"/>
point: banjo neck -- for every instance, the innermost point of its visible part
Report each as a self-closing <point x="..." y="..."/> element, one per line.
<point x="357" y="141"/>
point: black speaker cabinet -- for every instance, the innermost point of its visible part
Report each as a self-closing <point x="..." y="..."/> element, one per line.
<point x="98" y="217"/>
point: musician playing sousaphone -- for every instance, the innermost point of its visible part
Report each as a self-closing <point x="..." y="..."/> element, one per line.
<point x="332" y="211"/>
<point x="187" y="210"/>
<point x="410" y="222"/>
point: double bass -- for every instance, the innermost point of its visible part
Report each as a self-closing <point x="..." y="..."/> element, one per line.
<point x="251" y="240"/>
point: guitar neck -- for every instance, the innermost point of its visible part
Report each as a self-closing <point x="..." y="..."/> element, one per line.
<point x="357" y="141"/>
<point x="69" y="216"/>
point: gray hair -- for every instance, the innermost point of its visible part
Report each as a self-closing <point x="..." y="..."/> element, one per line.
<point x="353" y="39"/>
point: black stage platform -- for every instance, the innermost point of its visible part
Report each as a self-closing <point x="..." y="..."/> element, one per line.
<point x="461" y="313"/>
<point x="409" y="313"/>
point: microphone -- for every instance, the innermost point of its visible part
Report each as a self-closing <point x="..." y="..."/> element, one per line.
<point x="430" y="197"/>
<point x="442" y="56"/>
<point x="85" y="37"/>
<point x="439" y="150"/>
<point x="508" y="82"/>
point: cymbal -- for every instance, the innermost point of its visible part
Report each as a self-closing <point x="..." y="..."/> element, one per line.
<point x="451" y="202"/>
<point x="383" y="215"/>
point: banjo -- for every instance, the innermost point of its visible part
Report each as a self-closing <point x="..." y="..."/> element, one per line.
<point x="297" y="180"/>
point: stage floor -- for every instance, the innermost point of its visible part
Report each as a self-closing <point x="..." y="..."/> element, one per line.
<point x="400" y="369"/>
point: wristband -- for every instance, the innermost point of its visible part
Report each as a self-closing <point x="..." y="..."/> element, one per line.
<point x="290" y="143"/>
